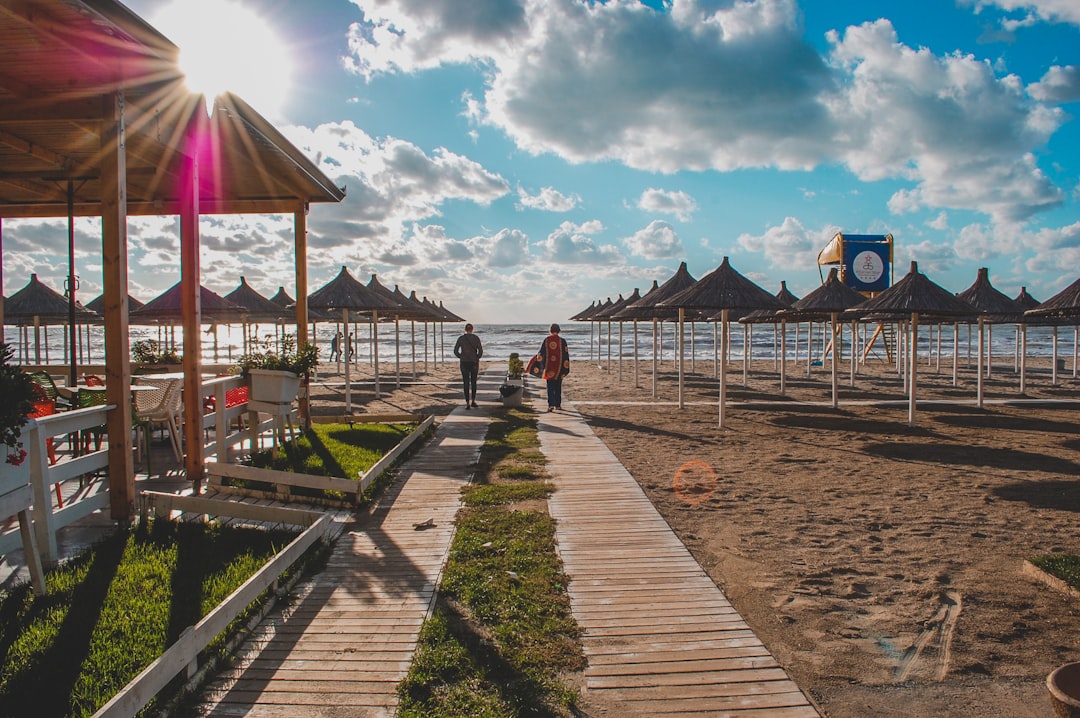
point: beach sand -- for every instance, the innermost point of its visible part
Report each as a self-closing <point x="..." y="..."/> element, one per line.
<point x="880" y="563"/>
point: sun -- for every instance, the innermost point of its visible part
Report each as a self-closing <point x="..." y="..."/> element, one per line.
<point x="226" y="46"/>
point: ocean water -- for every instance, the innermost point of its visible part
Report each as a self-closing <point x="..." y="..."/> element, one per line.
<point x="586" y="340"/>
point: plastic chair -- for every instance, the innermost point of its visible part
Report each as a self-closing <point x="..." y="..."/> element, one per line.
<point x="42" y="379"/>
<point x="90" y="398"/>
<point x="43" y="406"/>
<point x="161" y="407"/>
<point x="93" y="380"/>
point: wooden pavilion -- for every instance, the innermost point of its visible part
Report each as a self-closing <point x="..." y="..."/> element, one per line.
<point x="95" y="121"/>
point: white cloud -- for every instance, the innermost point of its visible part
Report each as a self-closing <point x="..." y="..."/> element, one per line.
<point x="573" y="244"/>
<point x="676" y="202"/>
<point x="789" y="246"/>
<point x="548" y="199"/>
<point x="706" y="85"/>
<point x="657" y="241"/>
<point x="1059" y="84"/>
<point x="1067" y="11"/>
<point x="506" y="248"/>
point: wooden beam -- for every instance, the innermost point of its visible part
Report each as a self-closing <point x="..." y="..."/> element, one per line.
<point x="190" y="297"/>
<point x="114" y="255"/>
<point x="44" y="210"/>
<point x="57" y="160"/>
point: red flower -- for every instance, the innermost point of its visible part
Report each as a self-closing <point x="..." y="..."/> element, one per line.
<point x="15" y="458"/>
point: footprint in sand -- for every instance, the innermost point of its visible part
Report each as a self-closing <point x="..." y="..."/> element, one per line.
<point x="937" y="638"/>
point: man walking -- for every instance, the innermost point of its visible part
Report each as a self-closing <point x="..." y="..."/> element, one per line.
<point x="469" y="349"/>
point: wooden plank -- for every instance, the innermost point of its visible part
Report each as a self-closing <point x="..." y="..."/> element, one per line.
<point x="288" y="478"/>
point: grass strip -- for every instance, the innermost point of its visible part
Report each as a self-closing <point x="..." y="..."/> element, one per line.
<point x="1065" y="566"/>
<point x="340" y="450"/>
<point x="113" y="609"/>
<point x="502" y="637"/>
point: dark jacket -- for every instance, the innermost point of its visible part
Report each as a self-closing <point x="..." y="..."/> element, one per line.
<point x="469" y="348"/>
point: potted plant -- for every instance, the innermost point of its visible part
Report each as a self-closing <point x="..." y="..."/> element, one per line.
<point x="274" y="372"/>
<point x="515" y="370"/>
<point x="17" y="390"/>
<point x="149" y="357"/>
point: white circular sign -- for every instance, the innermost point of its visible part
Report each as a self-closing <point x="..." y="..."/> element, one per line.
<point x="868" y="267"/>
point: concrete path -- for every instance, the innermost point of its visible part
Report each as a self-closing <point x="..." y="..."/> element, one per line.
<point x="660" y="637"/>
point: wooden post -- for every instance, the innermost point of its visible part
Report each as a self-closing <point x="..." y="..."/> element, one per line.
<point x="191" y="300"/>
<point x="114" y="257"/>
<point x="300" y="242"/>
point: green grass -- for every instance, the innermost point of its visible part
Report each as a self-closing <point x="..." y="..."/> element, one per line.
<point x="340" y="450"/>
<point x="502" y="635"/>
<point x="1065" y="566"/>
<point x="113" y="609"/>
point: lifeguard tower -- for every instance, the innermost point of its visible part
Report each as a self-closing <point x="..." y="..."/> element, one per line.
<point x="865" y="263"/>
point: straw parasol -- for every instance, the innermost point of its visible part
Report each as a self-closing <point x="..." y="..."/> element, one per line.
<point x="724" y="289"/>
<point x="1063" y="307"/>
<point x="994" y="307"/>
<point x="167" y="307"/>
<point x="771" y="316"/>
<point x="38" y="305"/>
<point x="825" y="303"/>
<point x="1025" y="301"/>
<point x="915" y="295"/>
<point x="402" y="310"/>
<point x="651" y="306"/>
<point x="255" y="309"/>
<point x="282" y="298"/>
<point x="97" y="304"/>
<point x="345" y="294"/>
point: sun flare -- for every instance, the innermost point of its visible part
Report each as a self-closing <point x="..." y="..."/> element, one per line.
<point x="226" y="46"/>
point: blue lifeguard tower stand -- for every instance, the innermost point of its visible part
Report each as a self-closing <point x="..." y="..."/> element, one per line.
<point x="865" y="263"/>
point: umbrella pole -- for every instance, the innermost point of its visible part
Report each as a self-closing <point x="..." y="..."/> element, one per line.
<point x="1076" y="347"/>
<point x="375" y="349"/>
<point x="854" y="349"/>
<point x="914" y="367"/>
<point x="637" y="385"/>
<point x="693" y="347"/>
<point x="620" y="351"/>
<point x="681" y="351"/>
<point x="716" y="350"/>
<point x="412" y="342"/>
<point x="723" y="365"/>
<point x="1023" y="357"/>
<point x="989" y="350"/>
<point x="1053" y="363"/>
<point x="348" y="384"/>
<point x="745" y="355"/>
<point x="955" y="350"/>
<point x="978" y="366"/>
<point x="783" y="357"/>
<point x="774" y="358"/>
<point x="832" y="326"/>
<point x="655" y="356"/>
<point x="397" y="352"/>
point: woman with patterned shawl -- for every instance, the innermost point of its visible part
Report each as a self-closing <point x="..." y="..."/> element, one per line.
<point x="552" y="363"/>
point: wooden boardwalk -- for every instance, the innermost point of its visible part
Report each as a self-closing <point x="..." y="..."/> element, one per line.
<point x="345" y="639"/>
<point x="660" y="637"/>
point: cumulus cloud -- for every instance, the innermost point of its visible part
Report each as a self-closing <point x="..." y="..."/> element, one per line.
<point x="790" y="246"/>
<point x="548" y="199"/>
<point x="657" y="241"/>
<point x="573" y="244"/>
<point x="506" y="248"/>
<point x="901" y="112"/>
<point x="1066" y="11"/>
<point x="702" y="85"/>
<point x="676" y="202"/>
<point x="1059" y="84"/>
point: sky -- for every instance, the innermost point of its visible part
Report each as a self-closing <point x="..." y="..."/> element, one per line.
<point x="519" y="159"/>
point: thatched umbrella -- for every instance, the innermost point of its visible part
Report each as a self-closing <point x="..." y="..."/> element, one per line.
<point x="37" y="305"/>
<point x="916" y="295"/>
<point x="345" y="294"/>
<point x="97" y="305"/>
<point x="611" y="314"/>
<point x="825" y="303"/>
<point x="403" y="309"/>
<point x="771" y="316"/>
<point x="584" y="315"/>
<point x="282" y="298"/>
<point x="724" y="289"/>
<point x="604" y="315"/>
<point x="1062" y="307"/>
<point x="420" y="314"/>
<point x="166" y="309"/>
<point x="652" y="306"/>
<point x="255" y="308"/>
<point x="994" y="307"/>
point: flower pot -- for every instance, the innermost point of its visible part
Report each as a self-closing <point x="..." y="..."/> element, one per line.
<point x="511" y="394"/>
<point x="13" y="477"/>
<point x="1064" y="686"/>
<point x="514" y="381"/>
<point x="273" y="386"/>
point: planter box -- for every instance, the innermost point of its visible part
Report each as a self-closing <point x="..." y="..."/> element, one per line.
<point x="273" y="386"/>
<point x="510" y="381"/>
<point x="512" y="394"/>
<point x="13" y="477"/>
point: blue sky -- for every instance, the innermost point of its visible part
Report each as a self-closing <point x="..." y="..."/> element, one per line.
<point x="519" y="158"/>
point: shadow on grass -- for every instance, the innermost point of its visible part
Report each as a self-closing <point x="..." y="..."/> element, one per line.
<point x="44" y="687"/>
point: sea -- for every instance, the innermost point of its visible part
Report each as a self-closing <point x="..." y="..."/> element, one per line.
<point x="223" y="344"/>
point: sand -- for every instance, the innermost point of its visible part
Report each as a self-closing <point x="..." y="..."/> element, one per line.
<point x="880" y="563"/>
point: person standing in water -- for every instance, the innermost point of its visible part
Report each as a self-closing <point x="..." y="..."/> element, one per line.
<point x="469" y="349"/>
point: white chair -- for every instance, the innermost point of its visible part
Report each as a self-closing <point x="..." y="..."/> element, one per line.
<point x="161" y="406"/>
